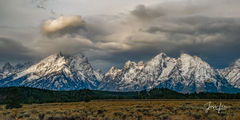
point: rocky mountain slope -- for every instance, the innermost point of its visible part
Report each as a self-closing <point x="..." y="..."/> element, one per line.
<point x="186" y="74"/>
<point x="57" y="72"/>
<point x="232" y="73"/>
<point x="8" y="69"/>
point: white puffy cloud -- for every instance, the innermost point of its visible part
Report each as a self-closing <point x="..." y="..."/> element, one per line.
<point x="63" y="25"/>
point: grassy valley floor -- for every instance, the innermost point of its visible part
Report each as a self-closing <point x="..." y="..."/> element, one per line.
<point x="126" y="110"/>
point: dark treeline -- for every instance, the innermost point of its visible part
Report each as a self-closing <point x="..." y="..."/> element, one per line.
<point x="28" y="95"/>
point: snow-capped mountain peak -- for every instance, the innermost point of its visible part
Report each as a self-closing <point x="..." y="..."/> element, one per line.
<point x="49" y="65"/>
<point x="113" y="72"/>
<point x="129" y="64"/>
<point x="8" y="69"/>
<point x="184" y="74"/>
<point x="193" y="65"/>
<point x="237" y="63"/>
<point x="232" y="73"/>
<point x="189" y="60"/>
<point x="58" y="72"/>
<point x="138" y="76"/>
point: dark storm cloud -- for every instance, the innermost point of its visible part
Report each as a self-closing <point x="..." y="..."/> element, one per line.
<point x="11" y="50"/>
<point x="200" y="29"/>
<point x="145" y="13"/>
<point x="197" y="24"/>
<point x="208" y="29"/>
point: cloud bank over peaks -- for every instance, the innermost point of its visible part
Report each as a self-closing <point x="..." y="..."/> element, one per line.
<point x="208" y="29"/>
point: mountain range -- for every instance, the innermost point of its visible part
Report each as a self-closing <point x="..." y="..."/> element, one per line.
<point x="56" y="72"/>
<point x="186" y="74"/>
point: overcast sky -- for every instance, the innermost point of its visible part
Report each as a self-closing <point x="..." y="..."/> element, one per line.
<point x="110" y="32"/>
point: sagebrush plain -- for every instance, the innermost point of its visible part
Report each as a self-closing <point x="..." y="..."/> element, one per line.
<point x="125" y="110"/>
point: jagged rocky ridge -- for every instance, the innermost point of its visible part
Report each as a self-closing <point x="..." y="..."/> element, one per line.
<point x="186" y="74"/>
<point x="57" y="72"/>
<point x="8" y="69"/>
